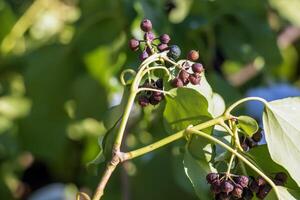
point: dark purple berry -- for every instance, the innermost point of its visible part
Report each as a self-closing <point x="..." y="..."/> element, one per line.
<point x="164" y="38"/>
<point x="245" y="146"/>
<point x="193" y="55"/>
<point x="281" y="176"/>
<point x="247" y="194"/>
<point x="176" y="82"/>
<point x="195" y="79"/>
<point x="197" y="68"/>
<point x="144" y="55"/>
<point x="146" y="25"/>
<point x="257" y="136"/>
<point x="162" y="47"/>
<point x="216" y="186"/>
<point x="237" y="191"/>
<point x="174" y="52"/>
<point x="184" y="76"/>
<point x="261" y="181"/>
<point x="251" y="143"/>
<point x="263" y="191"/>
<point x="224" y="196"/>
<point x="148" y="50"/>
<point x="254" y="187"/>
<point x="149" y="36"/>
<point x="153" y="100"/>
<point x="157" y="97"/>
<point x="159" y="83"/>
<point x="211" y="177"/>
<point x="227" y="187"/>
<point x="243" y="181"/>
<point x="134" y="44"/>
<point x="143" y="101"/>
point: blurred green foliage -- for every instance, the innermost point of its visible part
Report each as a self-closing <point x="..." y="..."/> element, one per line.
<point x="59" y="68"/>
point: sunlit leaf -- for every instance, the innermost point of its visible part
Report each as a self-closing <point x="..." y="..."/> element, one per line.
<point x="248" y="125"/>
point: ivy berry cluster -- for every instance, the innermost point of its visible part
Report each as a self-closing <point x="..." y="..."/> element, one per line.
<point x="151" y="44"/>
<point x="151" y="97"/>
<point x="241" y="187"/>
<point x="248" y="143"/>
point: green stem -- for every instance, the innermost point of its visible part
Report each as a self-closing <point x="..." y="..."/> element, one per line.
<point x="233" y="106"/>
<point x="230" y="164"/>
<point x="153" y="90"/>
<point x="169" y="139"/>
<point x="234" y="135"/>
<point x="241" y="157"/>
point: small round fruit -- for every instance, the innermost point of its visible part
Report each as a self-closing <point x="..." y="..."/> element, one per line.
<point x="237" y="192"/>
<point x="195" y="79"/>
<point x="261" y="181"/>
<point x="227" y="187"/>
<point x="281" y="176"/>
<point x="184" y="75"/>
<point x="257" y="136"/>
<point x="193" y="55"/>
<point x="134" y="44"/>
<point x="197" y="68"/>
<point x="243" y="181"/>
<point x="174" y="52"/>
<point x="162" y="47"/>
<point x="153" y="100"/>
<point x="216" y="186"/>
<point x="247" y="194"/>
<point x="159" y="83"/>
<point x="149" y="36"/>
<point x="144" y="55"/>
<point x="143" y="101"/>
<point x="164" y="38"/>
<point x="254" y="187"/>
<point x="264" y="191"/>
<point x="224" y="196"/>
<point x="146" y="25"/>
<point x="176" y="82"/>
<point x="211" y="177"/>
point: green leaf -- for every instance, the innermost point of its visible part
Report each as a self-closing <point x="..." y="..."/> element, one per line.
<point x="196" y="170"/>
<point x="261" y="156"/>
<point x="282" y="132"/>
<point x="284" y="194"/>
<point x="188" y="107"/>
<point x="248" y="125"/>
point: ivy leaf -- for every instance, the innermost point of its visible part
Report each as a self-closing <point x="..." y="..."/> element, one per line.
<point x="282" y="132"/>
<point x="248" y="125"/>
<point x="196" y="170"/>
<point x="188" y="107"/>
<point x="284" y="194"/>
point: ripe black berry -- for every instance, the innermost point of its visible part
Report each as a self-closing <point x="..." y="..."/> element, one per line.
<point x="194" y="79"/>
<point x="237" y="191"/>
<point x="197" y="68"/>
<point x="153" y="100"/>
<point x="174" y="52"/>
<point x="223" y="196"/>
<point x="243" y="181"/>
<point x="193" y="55"/>
<point x="164" y="38"/>
<point x="176" y="82"/>
<point x="144" y="55"/>
<point x="264" y="191"/>
<point x="162" y="47"/>
<point x="143" y="101"/>
<point x="159" y="83"/>
<point x="227" y="187"/>
<point x="261" y="181"/>
<point x="257" y="136"/>
<point x="216" y="186"/>
<point x="254" y="187"/>
<point x="251" y="143"/>
<point x="146" y="25"/>
<point x="247" y="194"/>
<point x="134" y="44"/>
<point x="281" y="176"/>
<point x="149" y="36"/>
<point x="184" y="76"/>
<point x="211" y="177"/>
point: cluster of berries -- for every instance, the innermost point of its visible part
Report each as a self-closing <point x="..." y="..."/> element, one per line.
<point x="184" y="77"/>
<point x="249" y="142"/>
<point x="241" y="187"/>
<point x="152" y="44"/>
<point x="151" y="97"/>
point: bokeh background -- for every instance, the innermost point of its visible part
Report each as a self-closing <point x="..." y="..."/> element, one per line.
<point x="59" y="66"/>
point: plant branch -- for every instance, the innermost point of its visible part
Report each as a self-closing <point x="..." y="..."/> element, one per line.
<point x="233" y="106"/>
<point x="241" y="157"/>
<point x="153" y="90"/>
<point x="230" y="164"/>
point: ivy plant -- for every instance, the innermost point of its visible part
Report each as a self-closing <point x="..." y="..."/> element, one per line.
<point x="222" y="158"/>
